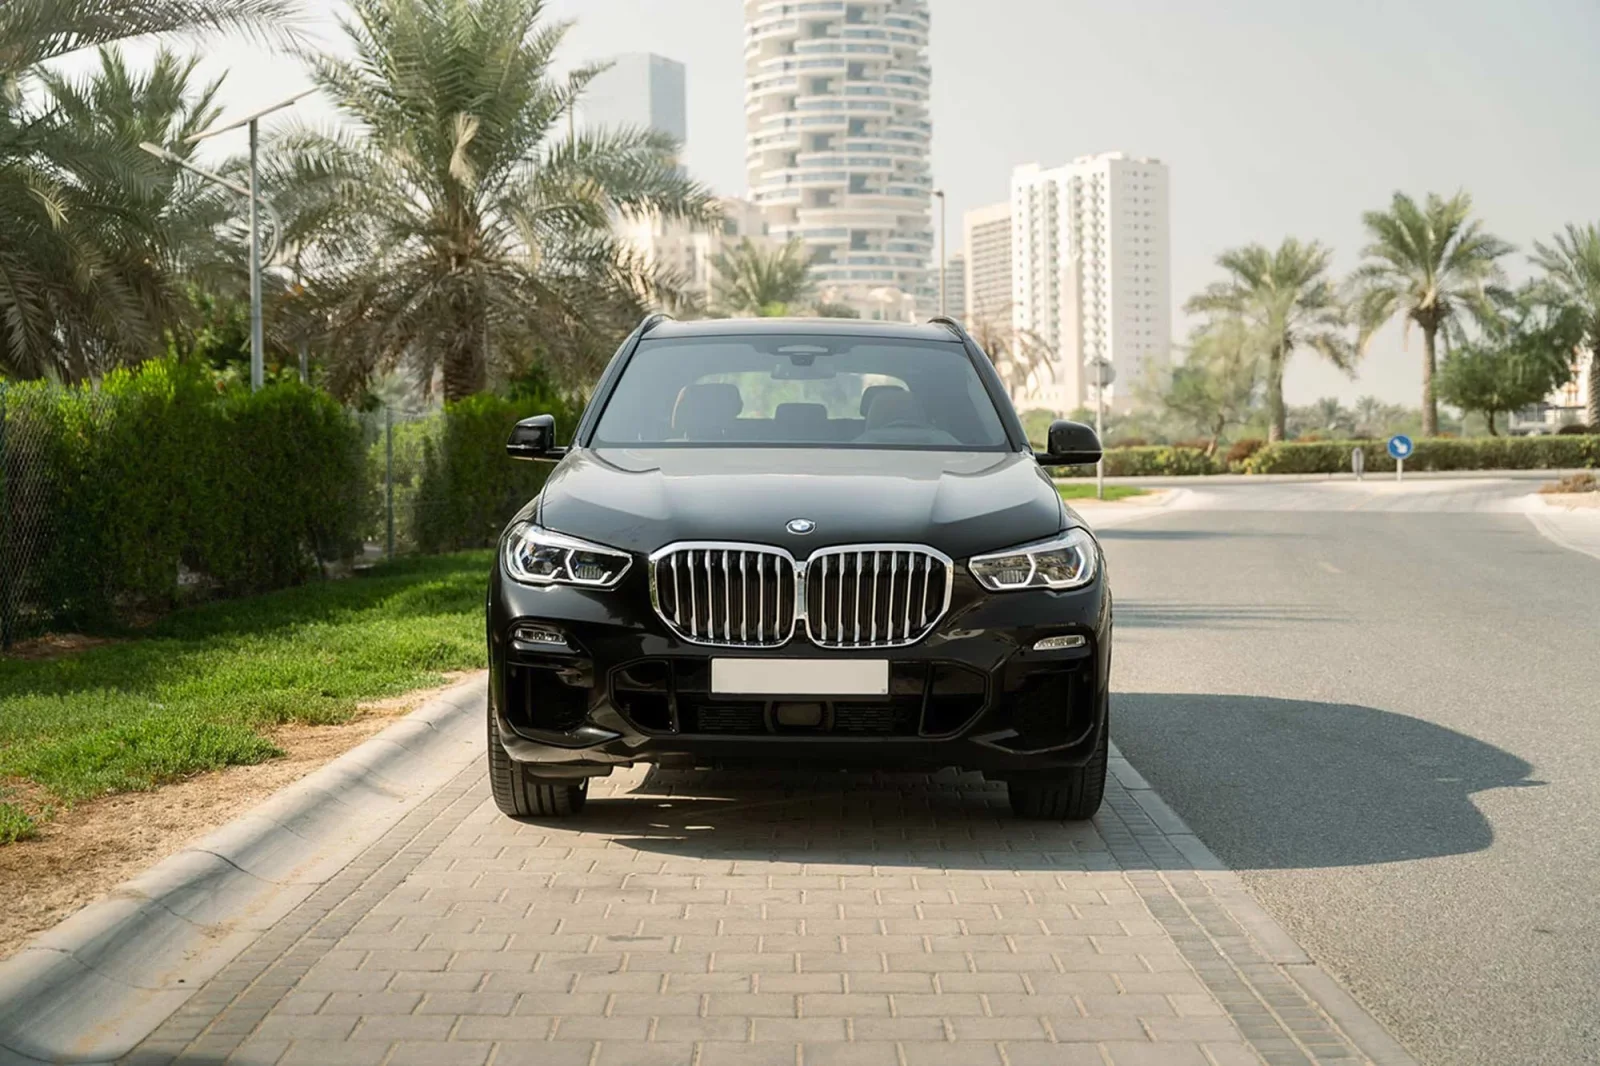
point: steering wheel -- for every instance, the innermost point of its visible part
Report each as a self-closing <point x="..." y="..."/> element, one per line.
<point x="904" y="423"/>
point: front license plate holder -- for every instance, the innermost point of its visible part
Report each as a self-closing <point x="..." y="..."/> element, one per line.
<point x="799" y="677"/>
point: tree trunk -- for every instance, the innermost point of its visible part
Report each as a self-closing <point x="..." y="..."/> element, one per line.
<point x="1430" y="406"/>
<point x="1492" y="433"/>
<point x="1591" y="415"/>
<point x="464" y="369"/>
<point x="1277" y="425"/>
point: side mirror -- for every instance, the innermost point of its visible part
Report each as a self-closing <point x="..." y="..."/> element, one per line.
<point x="1071" y="444"/>
<point x="534" y="438"/>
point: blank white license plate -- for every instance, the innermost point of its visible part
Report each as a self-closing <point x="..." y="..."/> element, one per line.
<point x="800" y="677"/>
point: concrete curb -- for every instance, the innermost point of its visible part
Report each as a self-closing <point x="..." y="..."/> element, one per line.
<point x="93" y="987"/>
<point x="1100" y="516"/>
<point x="1576" y="529"/>
<point x="1274" y="942"/>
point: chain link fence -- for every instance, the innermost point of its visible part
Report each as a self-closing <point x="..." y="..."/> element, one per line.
<point x="38" y="583"/>
<point x="441" y="480"/>
<point x="394" y="439"/>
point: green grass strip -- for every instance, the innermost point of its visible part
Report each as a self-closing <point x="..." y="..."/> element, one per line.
<point x="198" y="690"/>
<point x="1086" y="492"/>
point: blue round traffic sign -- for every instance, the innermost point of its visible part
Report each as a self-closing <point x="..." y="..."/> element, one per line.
<point x="1400" y="446"/>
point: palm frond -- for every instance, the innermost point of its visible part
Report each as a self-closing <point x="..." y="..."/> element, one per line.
<point x="34" y="31"/>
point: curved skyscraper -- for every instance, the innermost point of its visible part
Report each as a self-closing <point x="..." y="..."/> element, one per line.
<point x="836" y="143"/>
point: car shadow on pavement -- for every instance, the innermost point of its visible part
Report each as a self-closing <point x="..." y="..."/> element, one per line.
<point x="944" y="820"/>
<point x="1277" y="783"/>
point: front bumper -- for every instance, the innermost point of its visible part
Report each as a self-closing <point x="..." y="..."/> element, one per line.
<point x="973" y="694"/>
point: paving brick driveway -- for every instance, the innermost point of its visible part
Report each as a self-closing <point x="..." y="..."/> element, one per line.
<point x="692" y="919"/>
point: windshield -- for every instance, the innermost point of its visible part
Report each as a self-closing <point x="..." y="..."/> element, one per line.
<point x="799" y="391"/>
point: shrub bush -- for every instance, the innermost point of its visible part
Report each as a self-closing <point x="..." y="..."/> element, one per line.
<point x="454" y="485"/>
<point x="1241" y="450"/>
<point x="468" y="486"/>
<point x="1155" y="461"/>
<point x="110" y="491"/>
<point x="1433" y="453"/>
<point x="1576" y="429"/>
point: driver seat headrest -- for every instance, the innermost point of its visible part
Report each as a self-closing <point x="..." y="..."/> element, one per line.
<point x="706" y="411"/>
<point x="894" y="406"/>
<point x="872" y="393"/>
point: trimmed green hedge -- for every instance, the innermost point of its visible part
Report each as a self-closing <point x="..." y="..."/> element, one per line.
<point x="455" y="487"/>
<point x="1562" y="452"/>
<point x="1151" y="461"/>
<point x="1432" y="453"/>
<point x="111" y="493"/>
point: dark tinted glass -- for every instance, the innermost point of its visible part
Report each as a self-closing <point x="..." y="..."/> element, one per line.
<point x="841" y="392"/>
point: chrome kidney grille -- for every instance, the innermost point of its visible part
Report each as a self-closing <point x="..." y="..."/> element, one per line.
<point x="750" y="596"/>
<point x="735" y="595"/>
<point x="874" y="596"/>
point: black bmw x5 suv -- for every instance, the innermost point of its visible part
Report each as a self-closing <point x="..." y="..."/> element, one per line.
<point x="799" y="542"/>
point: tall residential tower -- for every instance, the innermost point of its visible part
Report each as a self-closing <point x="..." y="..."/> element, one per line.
<point x="639" y="90"/>
<point x="988" y="243"/>
<point x="1091" y="272"/>
<point x="836" y="143"/>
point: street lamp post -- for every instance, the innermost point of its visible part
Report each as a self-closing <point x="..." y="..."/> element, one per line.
<point x="1100" y="428"/>
<point x="1104" y="374"/>
<point x="252" y="193"/>
<point x="942" y="256"/>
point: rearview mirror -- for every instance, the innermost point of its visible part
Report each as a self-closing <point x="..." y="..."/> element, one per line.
<point x="534" y="438"/>
<point x="1071" y="444"/>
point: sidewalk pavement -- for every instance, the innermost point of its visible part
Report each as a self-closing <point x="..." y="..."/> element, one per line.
<point x="697" y="919"/>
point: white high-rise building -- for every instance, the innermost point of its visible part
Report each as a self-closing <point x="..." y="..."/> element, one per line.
<point x="690" y="251"/>
<point x="955" y="286"/>
<point x="1091" y="273"/>
<point x="836" y="143"/>
<point x="988" y="281"/>
<point x="638" y="90"/>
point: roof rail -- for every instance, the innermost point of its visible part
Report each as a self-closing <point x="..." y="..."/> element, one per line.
<point x="652" y="320"/>
<point x="950" y="324"/>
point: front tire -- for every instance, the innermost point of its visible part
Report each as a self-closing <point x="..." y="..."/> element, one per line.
<point x="521" y="795"/>
<point x="1074" y="795"/>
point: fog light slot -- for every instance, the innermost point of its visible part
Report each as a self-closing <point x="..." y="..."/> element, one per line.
<point x="539" y="635"/>
<point x="798" y="715"/>
<point x="1061" y="643"/>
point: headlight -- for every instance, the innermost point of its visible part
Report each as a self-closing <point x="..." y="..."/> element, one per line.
<point x="1067" y="561"/>
<point x="538" y="556"/>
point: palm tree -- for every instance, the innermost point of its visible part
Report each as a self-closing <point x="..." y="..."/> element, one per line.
<point x="73" y="291"/>
<point x="160" y="229"/>
<point x="1215" y="386"/>
<point x="453" y="225"/>
<point x="1021" y="357"/>
<point x="1571" y="266"/>
<point x="1372" y="415"/>
<point x="1329" y="415"/>
<point x="1435" y="265"/>
<point x="1286" y="299"/>
<point x="761" y="281"/>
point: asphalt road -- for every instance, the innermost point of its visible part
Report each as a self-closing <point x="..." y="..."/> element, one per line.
<point x="1382" y="706"/>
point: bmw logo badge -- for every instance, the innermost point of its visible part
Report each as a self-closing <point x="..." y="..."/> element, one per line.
<point x="800" y="526"/>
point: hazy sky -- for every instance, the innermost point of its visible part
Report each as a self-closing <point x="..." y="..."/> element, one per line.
<point x="1276" y="117"/>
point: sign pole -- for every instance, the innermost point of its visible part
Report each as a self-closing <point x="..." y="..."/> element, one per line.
<point x="1400" y="447"/>
<point x="1099" y="429"/>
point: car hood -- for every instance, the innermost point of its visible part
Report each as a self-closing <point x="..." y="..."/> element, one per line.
<point x="962" y="503"/>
